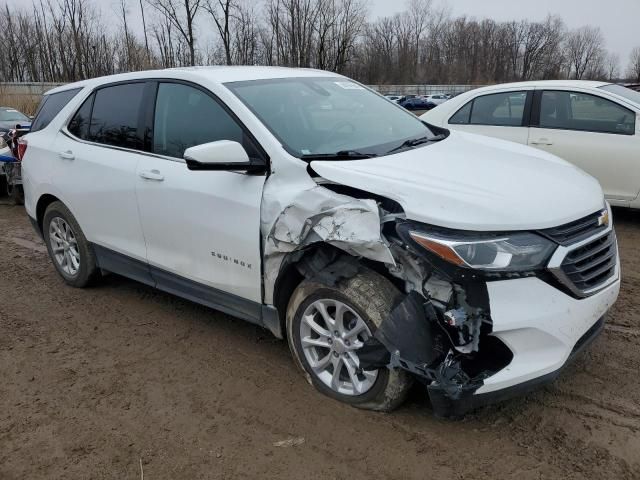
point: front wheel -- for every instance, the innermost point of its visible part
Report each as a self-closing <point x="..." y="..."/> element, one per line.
<point x="327" y="325"/>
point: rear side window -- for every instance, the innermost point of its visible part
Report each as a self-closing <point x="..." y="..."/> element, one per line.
<point x="186" y="116"/>
<point x="498" y="109"/>
<point x="50" y="106"/>
<point x="581" y="111"/>
<point x="501" y="109"/>
<point x="115" y="116"/>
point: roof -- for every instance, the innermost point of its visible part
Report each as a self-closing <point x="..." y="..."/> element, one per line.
<point x="218" y="74"/>
<point x="549" y="83"/>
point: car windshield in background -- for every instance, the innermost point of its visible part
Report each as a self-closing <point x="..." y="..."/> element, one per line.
<point x="329" y="115"/>
<point x="623" y="92"/>
<point x="11" y="115"/>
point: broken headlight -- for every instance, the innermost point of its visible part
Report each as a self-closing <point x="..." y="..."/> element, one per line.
<point x="511" y="252"/>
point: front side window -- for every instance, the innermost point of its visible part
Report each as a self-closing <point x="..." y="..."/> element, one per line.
<point x="581" y="111"/>
<point x="115" y="116"/>
<point x="328" y="115"/>
<point x="50" y="106"/>
<point x="186" y="116"/>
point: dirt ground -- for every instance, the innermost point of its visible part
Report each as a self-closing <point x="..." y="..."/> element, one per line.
<point x="109" y="381"/>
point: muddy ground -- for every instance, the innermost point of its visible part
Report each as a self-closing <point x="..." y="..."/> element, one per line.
<point x="102" y="382"/>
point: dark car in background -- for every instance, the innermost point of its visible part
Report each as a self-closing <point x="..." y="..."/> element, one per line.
<point x="416" y="103"/>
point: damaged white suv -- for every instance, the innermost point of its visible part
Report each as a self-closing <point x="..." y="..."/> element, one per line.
<point x="385" y="249"/>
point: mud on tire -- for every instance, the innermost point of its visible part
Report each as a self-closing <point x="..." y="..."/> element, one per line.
<point x="372" y="297"/>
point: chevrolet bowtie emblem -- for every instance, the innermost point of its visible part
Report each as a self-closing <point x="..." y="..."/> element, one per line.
<point x="603" y="219"/>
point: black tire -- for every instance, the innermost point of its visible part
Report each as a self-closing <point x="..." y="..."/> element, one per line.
<point x="372" y="297"/>
<point x="88" y="271"/>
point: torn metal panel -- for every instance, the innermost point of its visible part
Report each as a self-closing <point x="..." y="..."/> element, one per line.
<point x="320" y="215"/>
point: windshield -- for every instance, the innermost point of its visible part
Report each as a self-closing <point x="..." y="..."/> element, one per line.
<point x="11" y="115"/>
<point x="623" y="92"/>
<point x="322" y="116"/>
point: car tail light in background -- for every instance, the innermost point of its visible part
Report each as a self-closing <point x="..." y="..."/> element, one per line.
<point x="22" y="148"/>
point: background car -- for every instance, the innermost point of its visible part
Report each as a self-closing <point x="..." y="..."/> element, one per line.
<point x="393" y="98"/>
<point x="594" y="125"/>
<point x="437" y="98"/>
<point x="416" y="103"/>
<point x="10" y="117"/>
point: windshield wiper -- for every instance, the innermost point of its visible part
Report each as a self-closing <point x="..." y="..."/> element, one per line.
<point x="414" y="142"/>
<point x="341" y="155"/>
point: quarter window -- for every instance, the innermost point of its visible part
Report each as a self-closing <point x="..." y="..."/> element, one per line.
<point x="115" y="116"/>
<point x="50" y="106"/>
<point x="462" y="116"/>
<point x="186" y="116"/>
<point x="79" y="124"/>
<point x="581" y="111"/>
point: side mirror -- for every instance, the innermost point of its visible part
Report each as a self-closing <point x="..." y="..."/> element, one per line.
<point x="221" y="155"/>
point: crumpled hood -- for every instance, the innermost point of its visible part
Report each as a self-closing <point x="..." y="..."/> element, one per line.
<point x="470" y="182"/>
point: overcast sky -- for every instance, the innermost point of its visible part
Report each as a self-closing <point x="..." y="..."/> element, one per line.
<point x="618" y="19"/>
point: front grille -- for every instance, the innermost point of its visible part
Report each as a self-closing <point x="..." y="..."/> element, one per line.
<point x="577" y="230"/>
<point x="591" y="265"/>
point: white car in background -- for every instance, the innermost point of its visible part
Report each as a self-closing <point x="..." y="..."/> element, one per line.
<point x="594" y="125"/>
<point x="437" y="99"/>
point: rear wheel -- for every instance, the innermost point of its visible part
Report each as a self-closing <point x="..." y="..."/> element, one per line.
<point x="70" y="252"/>
<point x="327" y="325"/>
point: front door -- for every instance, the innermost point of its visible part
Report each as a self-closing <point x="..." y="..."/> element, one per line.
<point x="202" y="228"/>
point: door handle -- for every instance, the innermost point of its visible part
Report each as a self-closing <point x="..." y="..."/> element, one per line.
<point x="151" y="175"/>
<point x="68" y="155"/>
<point x="542" y="141"/>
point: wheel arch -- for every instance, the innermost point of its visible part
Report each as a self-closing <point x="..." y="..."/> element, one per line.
<point x="41" y="207"/>
<point x="290" y="277"/>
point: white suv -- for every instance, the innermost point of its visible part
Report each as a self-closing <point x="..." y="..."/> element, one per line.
<point x="383" y="248"/>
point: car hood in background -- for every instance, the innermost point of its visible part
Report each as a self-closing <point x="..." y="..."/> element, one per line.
<point x="470" y="182"/>
<point x="12" y="124"/>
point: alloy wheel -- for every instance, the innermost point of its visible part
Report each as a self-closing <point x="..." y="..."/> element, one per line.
<point x="331" y="333"/>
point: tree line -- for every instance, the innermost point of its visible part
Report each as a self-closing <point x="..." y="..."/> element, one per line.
<point x="69" y="40"/>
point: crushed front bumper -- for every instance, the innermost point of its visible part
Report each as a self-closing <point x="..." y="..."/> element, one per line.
<point x="543" y="327"/>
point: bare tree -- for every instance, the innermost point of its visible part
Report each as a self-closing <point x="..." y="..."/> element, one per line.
<point x="221" y="12"/>
<point x="181" y="14"/>
<point x="634" y="65"/>
<point x="612" y="66"/>
<point x="585" y="51"/>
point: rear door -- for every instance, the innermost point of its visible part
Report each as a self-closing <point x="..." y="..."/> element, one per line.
<point x="95" y="168"/>
<point x="202" y="228"/>
<point x="594" y="133"/>
<point x="503" y="115"/>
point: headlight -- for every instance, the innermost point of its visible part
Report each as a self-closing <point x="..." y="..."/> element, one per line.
<point x="512" y="252"/>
